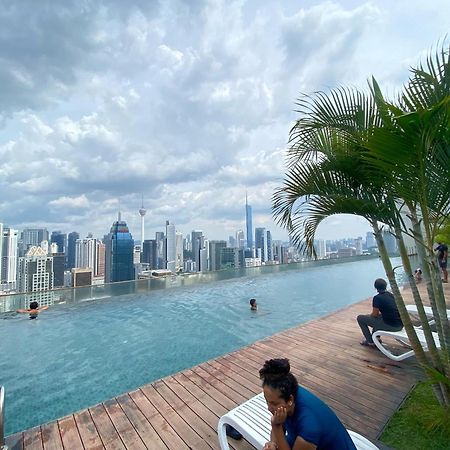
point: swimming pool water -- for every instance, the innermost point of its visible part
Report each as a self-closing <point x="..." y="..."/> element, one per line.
<point x="74" y="356"/>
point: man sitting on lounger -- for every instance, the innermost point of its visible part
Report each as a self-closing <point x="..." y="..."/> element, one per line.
<point x="384" y="316"/>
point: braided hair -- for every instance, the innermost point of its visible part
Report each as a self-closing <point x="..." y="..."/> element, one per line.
<point x="276" y="373"/>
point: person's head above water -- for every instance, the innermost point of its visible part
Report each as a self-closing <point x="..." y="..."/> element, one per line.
<point x="253" y="304"/>
<point x="34" y="305"/>
<point x="380" y="285"/>
<point x="279" y="384"/>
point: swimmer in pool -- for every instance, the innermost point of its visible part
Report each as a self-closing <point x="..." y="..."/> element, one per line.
<point x="33" y="310"/>
<point x="253" y="305"/>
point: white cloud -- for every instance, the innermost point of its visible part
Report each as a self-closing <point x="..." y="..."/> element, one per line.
<point x="70" y="202"/>
<point x="188" y="103"/>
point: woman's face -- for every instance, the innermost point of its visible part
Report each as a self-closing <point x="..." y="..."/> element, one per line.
<point x="274" y="399"/>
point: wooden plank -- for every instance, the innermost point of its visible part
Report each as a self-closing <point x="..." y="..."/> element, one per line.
<point x="51" y="438"/>
<point x="170" y="408"/>
<point x="108" y="434"/>
<point x="124" y="428"/>
<point x="69" y="433"/>
<point x="32" y="439"/>
<point x="188" y="407"/>
<point x="88" y="431"/>
<point x="151" y="427"/>
<point x="14" y="441"/>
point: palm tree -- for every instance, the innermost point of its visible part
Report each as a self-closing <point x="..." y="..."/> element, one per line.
<point x="358" y="154"/>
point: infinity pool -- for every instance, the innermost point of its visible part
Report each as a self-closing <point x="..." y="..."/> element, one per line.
<point x="74" y="356"/>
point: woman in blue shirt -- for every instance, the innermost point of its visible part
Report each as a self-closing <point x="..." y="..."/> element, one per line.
<point x="300" y="420"/>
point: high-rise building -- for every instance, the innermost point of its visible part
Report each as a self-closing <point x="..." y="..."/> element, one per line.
<point x="179" y="251"/>
<point x="60" y="239"/>
<point x="249" y="223"/>
<point x="32" y="237"/>
<point x="261" y="243"/>
<point x="358" y="246"/>
<point x="320" y="247"/>
<point x="268" y="247"/>
<point x="149" y="253"/>
<point x="215" y="248"/>
<point x="86" y="253"/>
<point x="71" y="249"/>
<point x="231" y="258"/>
<point x="119" y="247"/>
<point x="197" y="245"/>
<point x="170" y="247"/>
<point x="8" y="257"/>
<point x="1" y="244"/>
<point x="35" y="274"/>
<point x="161" y="249"/>
<point x="240" y="239"/>
<point x="99" y="270"/>
<point x="59" y="263"/>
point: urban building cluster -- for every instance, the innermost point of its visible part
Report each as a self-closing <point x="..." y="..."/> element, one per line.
<point x="35" y="261"/>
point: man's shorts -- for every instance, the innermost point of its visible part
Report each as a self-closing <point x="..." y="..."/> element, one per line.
<point x="443" y="263"/>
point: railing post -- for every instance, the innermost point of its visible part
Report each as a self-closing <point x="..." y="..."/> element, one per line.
<point x="2" y="419"/>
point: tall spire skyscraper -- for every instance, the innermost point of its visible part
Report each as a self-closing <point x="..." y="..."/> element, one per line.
<point x="142" y="212"/>
<point x="249" y="223"/>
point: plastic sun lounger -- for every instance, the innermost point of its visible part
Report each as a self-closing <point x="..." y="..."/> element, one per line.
<point x="412" y="309"/>
<point x="252" y="419"/>
<point x="403" y="338"/>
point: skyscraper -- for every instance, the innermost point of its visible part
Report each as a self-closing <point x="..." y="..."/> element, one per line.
<point x="215" y="248"/>
<point x="268" y="247"/>
<point x="170" y="247"/>
<point x="8" y="257"/>
<point x="60" y="239"/>
<point x="119" y="248"/>
<point x="71" y="248"/>
<point x="179" y="252"/>
<point x="36" y="275"/>
<point x="197" y="245"/>
<point x="249" y="223"/>
<point x="261" y="243"/>
<point x="32" y="237"/>
<point x="149" y="253"/>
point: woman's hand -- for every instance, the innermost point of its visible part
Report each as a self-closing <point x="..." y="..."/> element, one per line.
<point x="279" y="416"/>
<point x="270" y="446"/>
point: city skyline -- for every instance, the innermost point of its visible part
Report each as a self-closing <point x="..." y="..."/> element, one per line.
<point x="101" y="105"/>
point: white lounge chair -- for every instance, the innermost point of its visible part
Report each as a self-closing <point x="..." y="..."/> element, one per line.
<point x="412" y="309"/>
<point x="252" y="419"/>
<point x="402" y="337"/>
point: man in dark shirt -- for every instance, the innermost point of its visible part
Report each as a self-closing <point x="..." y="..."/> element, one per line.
<point x="384" y="316"/>
<point x="442" y="250"/>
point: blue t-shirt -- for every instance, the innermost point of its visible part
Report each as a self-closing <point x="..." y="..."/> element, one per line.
<point x="316" y="423"/>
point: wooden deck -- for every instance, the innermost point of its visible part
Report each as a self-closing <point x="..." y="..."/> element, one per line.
<point x="181" y="411"/>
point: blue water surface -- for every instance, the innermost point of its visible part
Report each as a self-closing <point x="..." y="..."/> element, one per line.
<point x="74" y="356"/>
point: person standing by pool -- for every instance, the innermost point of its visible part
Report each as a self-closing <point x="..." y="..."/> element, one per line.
<point x="442" y="250"/>
<point x="300" y="420"/>
<point x="253" y="305"/>
<point x="384" y="315"/>
<point x="33" y="310"/>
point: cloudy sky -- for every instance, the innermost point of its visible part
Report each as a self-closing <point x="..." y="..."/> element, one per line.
<point x="188" y="103"/>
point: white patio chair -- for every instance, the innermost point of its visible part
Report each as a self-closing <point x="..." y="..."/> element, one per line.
<point x="412" y="309"/>
<point x="402" y="337"/>
<point x="252" y="420"/>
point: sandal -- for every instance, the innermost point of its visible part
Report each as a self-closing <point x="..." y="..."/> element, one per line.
<point x="367" y="344"/>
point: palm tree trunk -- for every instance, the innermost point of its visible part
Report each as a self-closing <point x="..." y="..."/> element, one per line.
<point x="412" y="336"/>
